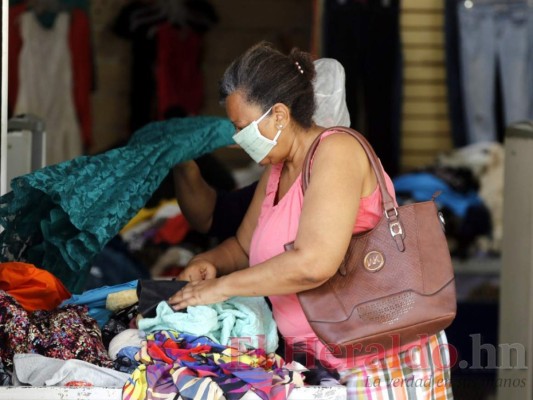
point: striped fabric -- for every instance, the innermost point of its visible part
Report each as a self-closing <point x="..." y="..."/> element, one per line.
<point x="422" y="373"/>
<point x="179" y="365"/>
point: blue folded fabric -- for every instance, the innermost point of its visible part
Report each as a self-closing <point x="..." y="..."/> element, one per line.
<point x="95" y="300"/>
<point x="421" y="186"/>
<point x="247" y="320"/>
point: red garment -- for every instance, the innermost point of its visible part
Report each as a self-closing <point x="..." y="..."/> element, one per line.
<point x="15" y="45"/>
<point x="80" y="49"/>
<point x="178" y="74"/>
<point x="82" y="71"/>
<point x="173" y="231"/>
<point x="33" y="288"/>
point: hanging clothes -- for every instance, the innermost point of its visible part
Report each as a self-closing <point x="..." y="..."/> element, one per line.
<point x="166" y="71"/>
<point x="495" y="42"/>
<point x="60" y="217"/>
<point x="14" y="46"/>
<point x="364" y="36"/>
<point x="83" y="72"/>
<point x="81" y="56"/>
<point x="136" y="22"/>
<point x="453" y="75"/>
<point x="45" y="85"/>
<point x="178" y="70"/>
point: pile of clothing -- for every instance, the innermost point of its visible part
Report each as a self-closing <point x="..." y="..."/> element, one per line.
<point x="53" y="331"/>
<point x="100" y="338"/>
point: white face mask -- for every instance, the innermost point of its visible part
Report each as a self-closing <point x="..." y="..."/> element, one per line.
<point x="252" y="142"/>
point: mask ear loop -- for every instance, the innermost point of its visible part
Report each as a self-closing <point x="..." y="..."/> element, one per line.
<point x="275" y="140"/>
<point x="280" y="127"/>
<point x="263" y="116"/>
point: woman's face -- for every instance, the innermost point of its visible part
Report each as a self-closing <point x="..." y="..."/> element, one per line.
<point x="242" y="114"/>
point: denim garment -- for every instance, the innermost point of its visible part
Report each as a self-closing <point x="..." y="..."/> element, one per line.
<point x="494" y="37"/>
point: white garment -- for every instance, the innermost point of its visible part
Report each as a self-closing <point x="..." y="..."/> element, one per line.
<point x="38" y="370"/>
<point x="45" y="85"/>
<point x="330" y="94"/>
<point x="126" y="338"/>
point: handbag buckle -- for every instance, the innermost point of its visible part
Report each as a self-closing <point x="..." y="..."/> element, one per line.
<point x="395" y="225"/>
<point x="395" y="228"/>
<point x="386" y="212"/>
<point x="396" y="231"/>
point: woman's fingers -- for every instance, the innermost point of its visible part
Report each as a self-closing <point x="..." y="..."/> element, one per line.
<point x="198" y="272"/>
<point x="196" y="293"/>
<point x="183" y="298"/>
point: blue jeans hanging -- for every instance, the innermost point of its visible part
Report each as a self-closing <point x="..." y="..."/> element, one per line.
<point x="494" y="37"/>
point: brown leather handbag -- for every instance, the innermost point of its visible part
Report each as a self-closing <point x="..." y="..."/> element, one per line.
<point x="396" y="283"/>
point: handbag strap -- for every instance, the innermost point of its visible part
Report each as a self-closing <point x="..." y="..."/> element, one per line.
<point x="389" y="208"/>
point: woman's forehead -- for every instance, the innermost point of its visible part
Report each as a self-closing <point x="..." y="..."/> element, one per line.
<point x="239" y="110"/>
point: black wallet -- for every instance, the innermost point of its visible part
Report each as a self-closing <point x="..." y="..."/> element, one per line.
<point x="151" y="292"/>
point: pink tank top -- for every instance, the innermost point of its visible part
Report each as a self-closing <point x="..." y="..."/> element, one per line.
<point x="278" y="225"/>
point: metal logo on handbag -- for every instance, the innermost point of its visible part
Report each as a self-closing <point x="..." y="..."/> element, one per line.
<point x="374" y="261"/>
<point x="396" y="283"/>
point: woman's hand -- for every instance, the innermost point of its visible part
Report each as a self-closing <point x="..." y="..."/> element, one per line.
<point x="198" y="292"/>
<point x="198" y="271"/>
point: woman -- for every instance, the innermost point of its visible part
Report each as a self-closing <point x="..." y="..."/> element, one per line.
<point x="220" y="213"/>
<point x="269" y="98"/>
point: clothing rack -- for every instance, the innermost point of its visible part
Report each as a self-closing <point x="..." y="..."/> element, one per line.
<point x="473" y="3"/>
<point x="26" y="140"/>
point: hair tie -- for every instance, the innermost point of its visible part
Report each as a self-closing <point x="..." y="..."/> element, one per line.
<point x="299" y="67"/>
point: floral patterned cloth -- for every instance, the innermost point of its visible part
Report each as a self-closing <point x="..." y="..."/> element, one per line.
<point x="63" y="333"/>
<point x="60" y="217"/>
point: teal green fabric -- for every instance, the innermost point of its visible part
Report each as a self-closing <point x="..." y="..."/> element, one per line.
<point x="247" y="318"/>
<point x="60" y="217"/>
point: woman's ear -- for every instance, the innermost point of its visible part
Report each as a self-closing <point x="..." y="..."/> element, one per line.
<point x="282" y="115"/>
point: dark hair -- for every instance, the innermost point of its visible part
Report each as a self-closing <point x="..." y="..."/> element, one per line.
<point x="266" y="76"/>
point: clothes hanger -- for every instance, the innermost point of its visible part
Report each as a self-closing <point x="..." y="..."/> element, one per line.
<point x="150" y="15"/>
<point x="175" y="11"/>
<point x="42" y="6"/>
<point x="46" y="11"/>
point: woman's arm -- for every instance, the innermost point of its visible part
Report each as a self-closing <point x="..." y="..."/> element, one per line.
<point x="341" y="175"/>
<point x="232" y="254"/>
<point x="195" y="197"/>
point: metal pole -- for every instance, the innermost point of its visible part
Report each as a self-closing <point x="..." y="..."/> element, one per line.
<point x="3" y="103"/>
<point x="516" y="295"/>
